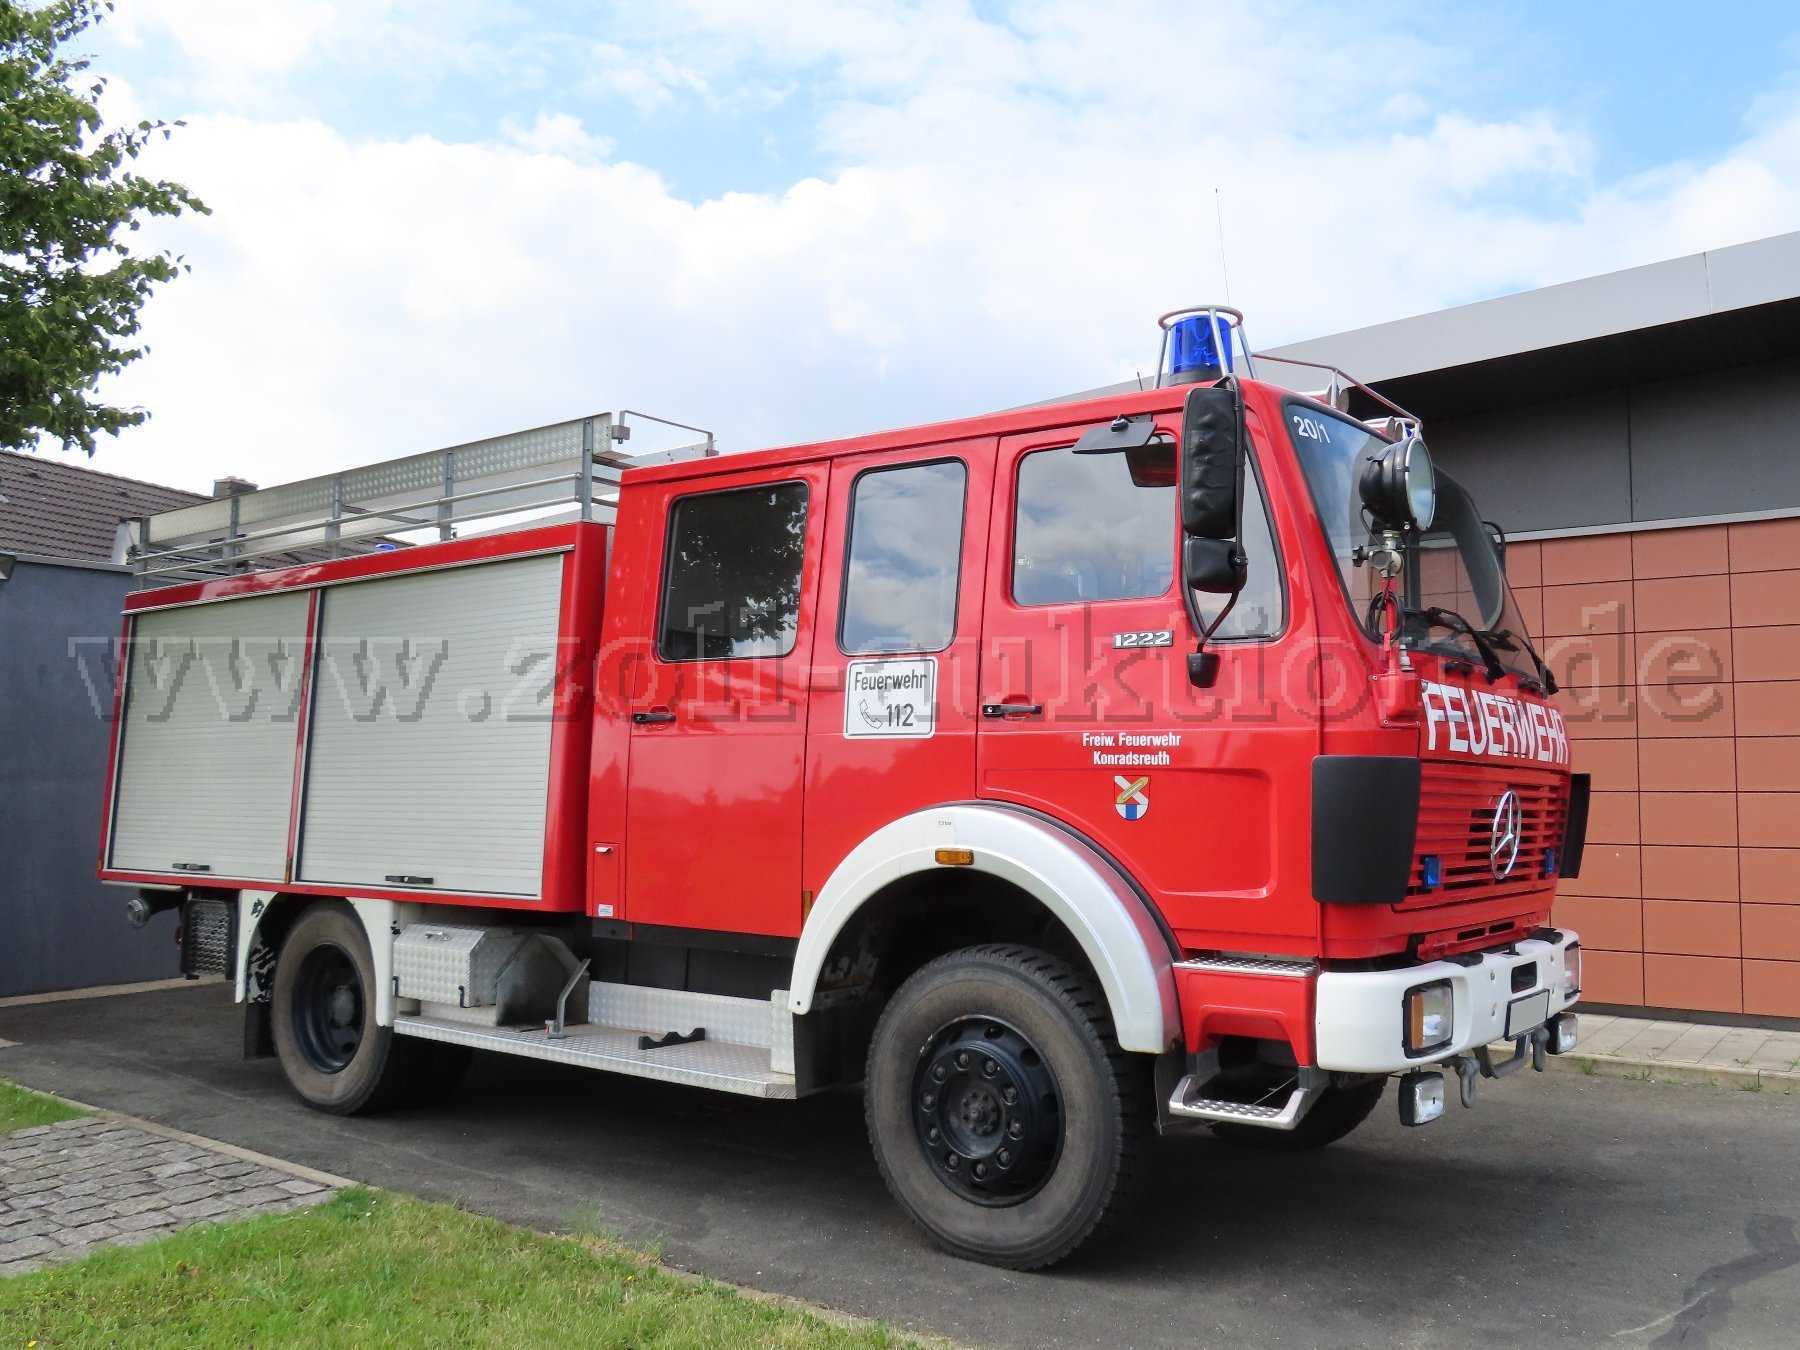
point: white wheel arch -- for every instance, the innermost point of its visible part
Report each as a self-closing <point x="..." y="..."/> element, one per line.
<point x="1120" y="938"/>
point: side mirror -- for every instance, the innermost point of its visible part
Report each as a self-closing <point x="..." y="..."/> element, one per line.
<point x="1149" y="458"/>
<point x="1212" y="460"/>
<point x="1216" y="566"/>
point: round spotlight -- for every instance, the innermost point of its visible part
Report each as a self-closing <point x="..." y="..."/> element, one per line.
<point x="1399" y="486"/>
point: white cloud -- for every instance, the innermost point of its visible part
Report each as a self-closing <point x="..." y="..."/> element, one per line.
<point x="646" y="80"/>
<point x="1015" y="205"/>
<point x="558" y="134"/>
<point x="231" y="39"/>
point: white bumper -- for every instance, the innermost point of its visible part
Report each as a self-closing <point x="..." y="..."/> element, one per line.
<point x="1359" y="1024"/>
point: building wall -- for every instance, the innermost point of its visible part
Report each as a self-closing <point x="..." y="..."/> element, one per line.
<point x="1711" y="443"/>
<point x="1679" y="653"/>
<point x="59" y="928"/>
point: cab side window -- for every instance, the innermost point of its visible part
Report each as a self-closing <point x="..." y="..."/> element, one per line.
<point x="1085" y="531"/>
<point x="1090" y="527"/>
<point x="731" y="578"/>
<point x="903" y="559"/>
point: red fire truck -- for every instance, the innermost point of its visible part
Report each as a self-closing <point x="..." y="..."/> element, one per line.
<point x="1167" y="759"/>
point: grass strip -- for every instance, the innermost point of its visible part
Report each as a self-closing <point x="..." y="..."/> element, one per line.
<point x="369" y="1267"/>
<point x="21" y="1109"/>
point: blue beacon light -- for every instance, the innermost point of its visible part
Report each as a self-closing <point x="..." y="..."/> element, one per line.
<point x="1192" y="345"/>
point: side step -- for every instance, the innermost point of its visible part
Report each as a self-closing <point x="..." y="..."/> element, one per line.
<point x="748" y="1048"/>
<point x="1186" y="1103"/>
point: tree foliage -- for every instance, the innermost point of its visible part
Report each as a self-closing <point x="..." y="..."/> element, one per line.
<point x="71" y="285"/>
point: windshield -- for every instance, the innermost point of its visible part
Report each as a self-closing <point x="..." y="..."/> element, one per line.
<point x="1454" y="566"/>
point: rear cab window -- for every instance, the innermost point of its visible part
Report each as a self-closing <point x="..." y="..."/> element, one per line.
<point x="731" y="577"/>
<point x="903" y="559"/>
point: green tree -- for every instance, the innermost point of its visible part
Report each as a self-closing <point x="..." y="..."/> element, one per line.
<point x="71" y="285"/>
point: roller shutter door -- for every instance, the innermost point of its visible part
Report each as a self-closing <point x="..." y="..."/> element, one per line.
<point x="207" y="747"/>
<point x="429" y="752"/>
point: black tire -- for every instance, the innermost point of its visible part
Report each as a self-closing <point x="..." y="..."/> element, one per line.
<point x="1338" y="1111"/>
<point x="1073" y="1168"/>
<point x="323" y="1017"/>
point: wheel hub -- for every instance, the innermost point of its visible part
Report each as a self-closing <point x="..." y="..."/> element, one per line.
<point x="987" y="1111"/>
<point x="328" y="1009"/>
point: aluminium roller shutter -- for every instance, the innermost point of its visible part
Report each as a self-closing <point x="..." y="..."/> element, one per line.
<point x="207" y="746"/>
<point x="429" y="751"/>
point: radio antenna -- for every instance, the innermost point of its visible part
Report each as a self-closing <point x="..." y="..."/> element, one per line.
<point x="1219" y="220"/>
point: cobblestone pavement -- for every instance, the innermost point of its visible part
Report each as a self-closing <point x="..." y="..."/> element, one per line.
<point x="80" y="1184"/>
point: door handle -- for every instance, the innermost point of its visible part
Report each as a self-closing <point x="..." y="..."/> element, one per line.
<point x="651" y="716"/>
<point x="1012" y="710"/>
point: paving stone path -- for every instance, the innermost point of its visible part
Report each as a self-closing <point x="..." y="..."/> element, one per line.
<point x="80" y="1184"/>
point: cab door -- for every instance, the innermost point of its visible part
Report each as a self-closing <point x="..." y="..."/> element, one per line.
<point x="1087" y="711"/>
<point x="718" y="716"/>
<point x="896" y="647"/>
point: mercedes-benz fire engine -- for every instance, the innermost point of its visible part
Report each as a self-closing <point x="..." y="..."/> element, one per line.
<point x="1166" y="759"/>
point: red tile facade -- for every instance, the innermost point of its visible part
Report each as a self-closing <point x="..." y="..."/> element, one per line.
<point x="1679" y="656"/>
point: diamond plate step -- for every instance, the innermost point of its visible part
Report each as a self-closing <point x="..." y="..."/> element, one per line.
<point x="1186" y="1103"/>
<point x="720" y="1065"/>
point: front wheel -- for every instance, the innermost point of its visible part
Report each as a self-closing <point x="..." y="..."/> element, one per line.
<point x="1006" y="1120"/>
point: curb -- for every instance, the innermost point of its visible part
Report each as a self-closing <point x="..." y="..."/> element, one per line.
<point x="108" y="991"/>
<point x="1661" y="1071"/>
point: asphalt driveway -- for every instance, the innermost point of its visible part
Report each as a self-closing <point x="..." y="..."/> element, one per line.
<point x="1563" y="1210"/>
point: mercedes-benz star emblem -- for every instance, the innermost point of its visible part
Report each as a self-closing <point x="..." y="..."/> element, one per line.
<point x="1503" y="838"/>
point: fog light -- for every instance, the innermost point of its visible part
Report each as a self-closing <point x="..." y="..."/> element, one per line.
<point x="1421" y="1098"/>
<point x="1430" y="1017"/>
<point x="1571" y="978"/>
<point x="1565" y="1034"/>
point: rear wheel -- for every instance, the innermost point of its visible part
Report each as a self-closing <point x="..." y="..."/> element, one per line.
<point x="1003" y="1115"/>
<point x="1338" y="1111"/>
<point x="322" y="1015"/>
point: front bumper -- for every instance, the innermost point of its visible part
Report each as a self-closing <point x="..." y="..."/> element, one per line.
<point x="1359" y="1015"/>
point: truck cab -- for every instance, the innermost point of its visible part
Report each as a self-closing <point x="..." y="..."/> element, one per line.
<point x="1168" y="759"/>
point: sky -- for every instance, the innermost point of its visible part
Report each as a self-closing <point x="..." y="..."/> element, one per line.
<point x="434" y="220"/>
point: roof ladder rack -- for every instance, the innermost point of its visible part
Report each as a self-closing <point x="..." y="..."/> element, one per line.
<point x="542" y="475"/>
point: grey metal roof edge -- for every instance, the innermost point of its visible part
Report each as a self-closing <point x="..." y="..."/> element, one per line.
<point x="1739" y="276"/>
<point x="85" y="564"/>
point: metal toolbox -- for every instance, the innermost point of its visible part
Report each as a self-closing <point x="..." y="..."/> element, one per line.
<point x="438" y="963"/>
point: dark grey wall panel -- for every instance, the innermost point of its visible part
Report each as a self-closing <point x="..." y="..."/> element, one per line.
<point x="1717" y="443"/>
<point x="1547" y="466"/>
<point x="59" y="928"/>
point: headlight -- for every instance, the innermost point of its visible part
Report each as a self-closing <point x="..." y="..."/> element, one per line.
<point x="1399" y="486"/>
<point x="1571" y="981"/>
<point x="1430" y="1017"/>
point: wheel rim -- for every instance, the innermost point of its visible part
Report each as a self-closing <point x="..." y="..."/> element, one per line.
<point x="328" y="1008"/>
<point x="987" y="1111"/>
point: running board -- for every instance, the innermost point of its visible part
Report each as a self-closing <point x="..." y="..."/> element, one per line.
<point x="1187" y="1104"/>
<point x="719" y="1065"/>
<point x="747" y="1044"/>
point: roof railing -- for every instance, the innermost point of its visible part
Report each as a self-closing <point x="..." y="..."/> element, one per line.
<point x="541" y="475"/>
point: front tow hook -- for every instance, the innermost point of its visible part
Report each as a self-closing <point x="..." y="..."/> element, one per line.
<point x="1472" y="1068"/>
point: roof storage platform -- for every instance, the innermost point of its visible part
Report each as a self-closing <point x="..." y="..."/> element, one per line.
<point x="543" y="475"/>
